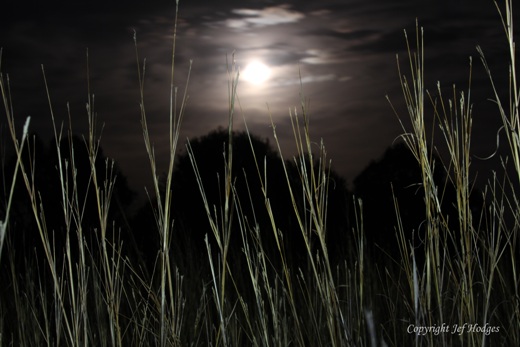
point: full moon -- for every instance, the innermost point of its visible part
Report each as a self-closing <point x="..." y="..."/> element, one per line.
<point x="256" y="72"/>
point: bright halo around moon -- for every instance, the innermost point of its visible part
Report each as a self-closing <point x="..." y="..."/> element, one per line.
<point x="256" y="72"/>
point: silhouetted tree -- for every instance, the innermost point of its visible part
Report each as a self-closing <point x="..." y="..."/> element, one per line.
<point x="43" y="159"/>
<point x="339" y="239"/>
<point x="398" y="174"/>
<point x="191" y="221"/>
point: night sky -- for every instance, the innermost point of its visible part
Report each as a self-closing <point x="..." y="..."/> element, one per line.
<point x="346" y="52"/>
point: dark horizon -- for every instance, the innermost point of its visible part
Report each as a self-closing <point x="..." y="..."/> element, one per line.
<point x="345" y="51"/>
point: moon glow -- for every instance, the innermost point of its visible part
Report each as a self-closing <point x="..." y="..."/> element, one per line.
<point x="256" y="72"/>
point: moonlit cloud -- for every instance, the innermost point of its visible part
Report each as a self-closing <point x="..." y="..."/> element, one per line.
<point x="268" y="16"/>
<point x="310" y="79"/>
<point x="323" y="56"/>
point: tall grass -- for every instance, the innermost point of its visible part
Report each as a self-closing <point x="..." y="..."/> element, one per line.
<point x="171" y="301"/>
<point x="86" y="291"/>
<point x="468" y="264"/>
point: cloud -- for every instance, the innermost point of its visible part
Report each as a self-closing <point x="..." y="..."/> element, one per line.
<point x="323" y="56"/>
<point x="311" y="79"/>
<point x="268" y="16"/>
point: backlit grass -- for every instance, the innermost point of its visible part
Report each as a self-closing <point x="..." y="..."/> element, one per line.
<point x="90" y="289"/>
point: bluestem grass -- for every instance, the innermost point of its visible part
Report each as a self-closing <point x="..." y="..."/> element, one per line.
<point x="465" y="260"/>
<point x="170" y="312"/>
<point x="89" y="293"/>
